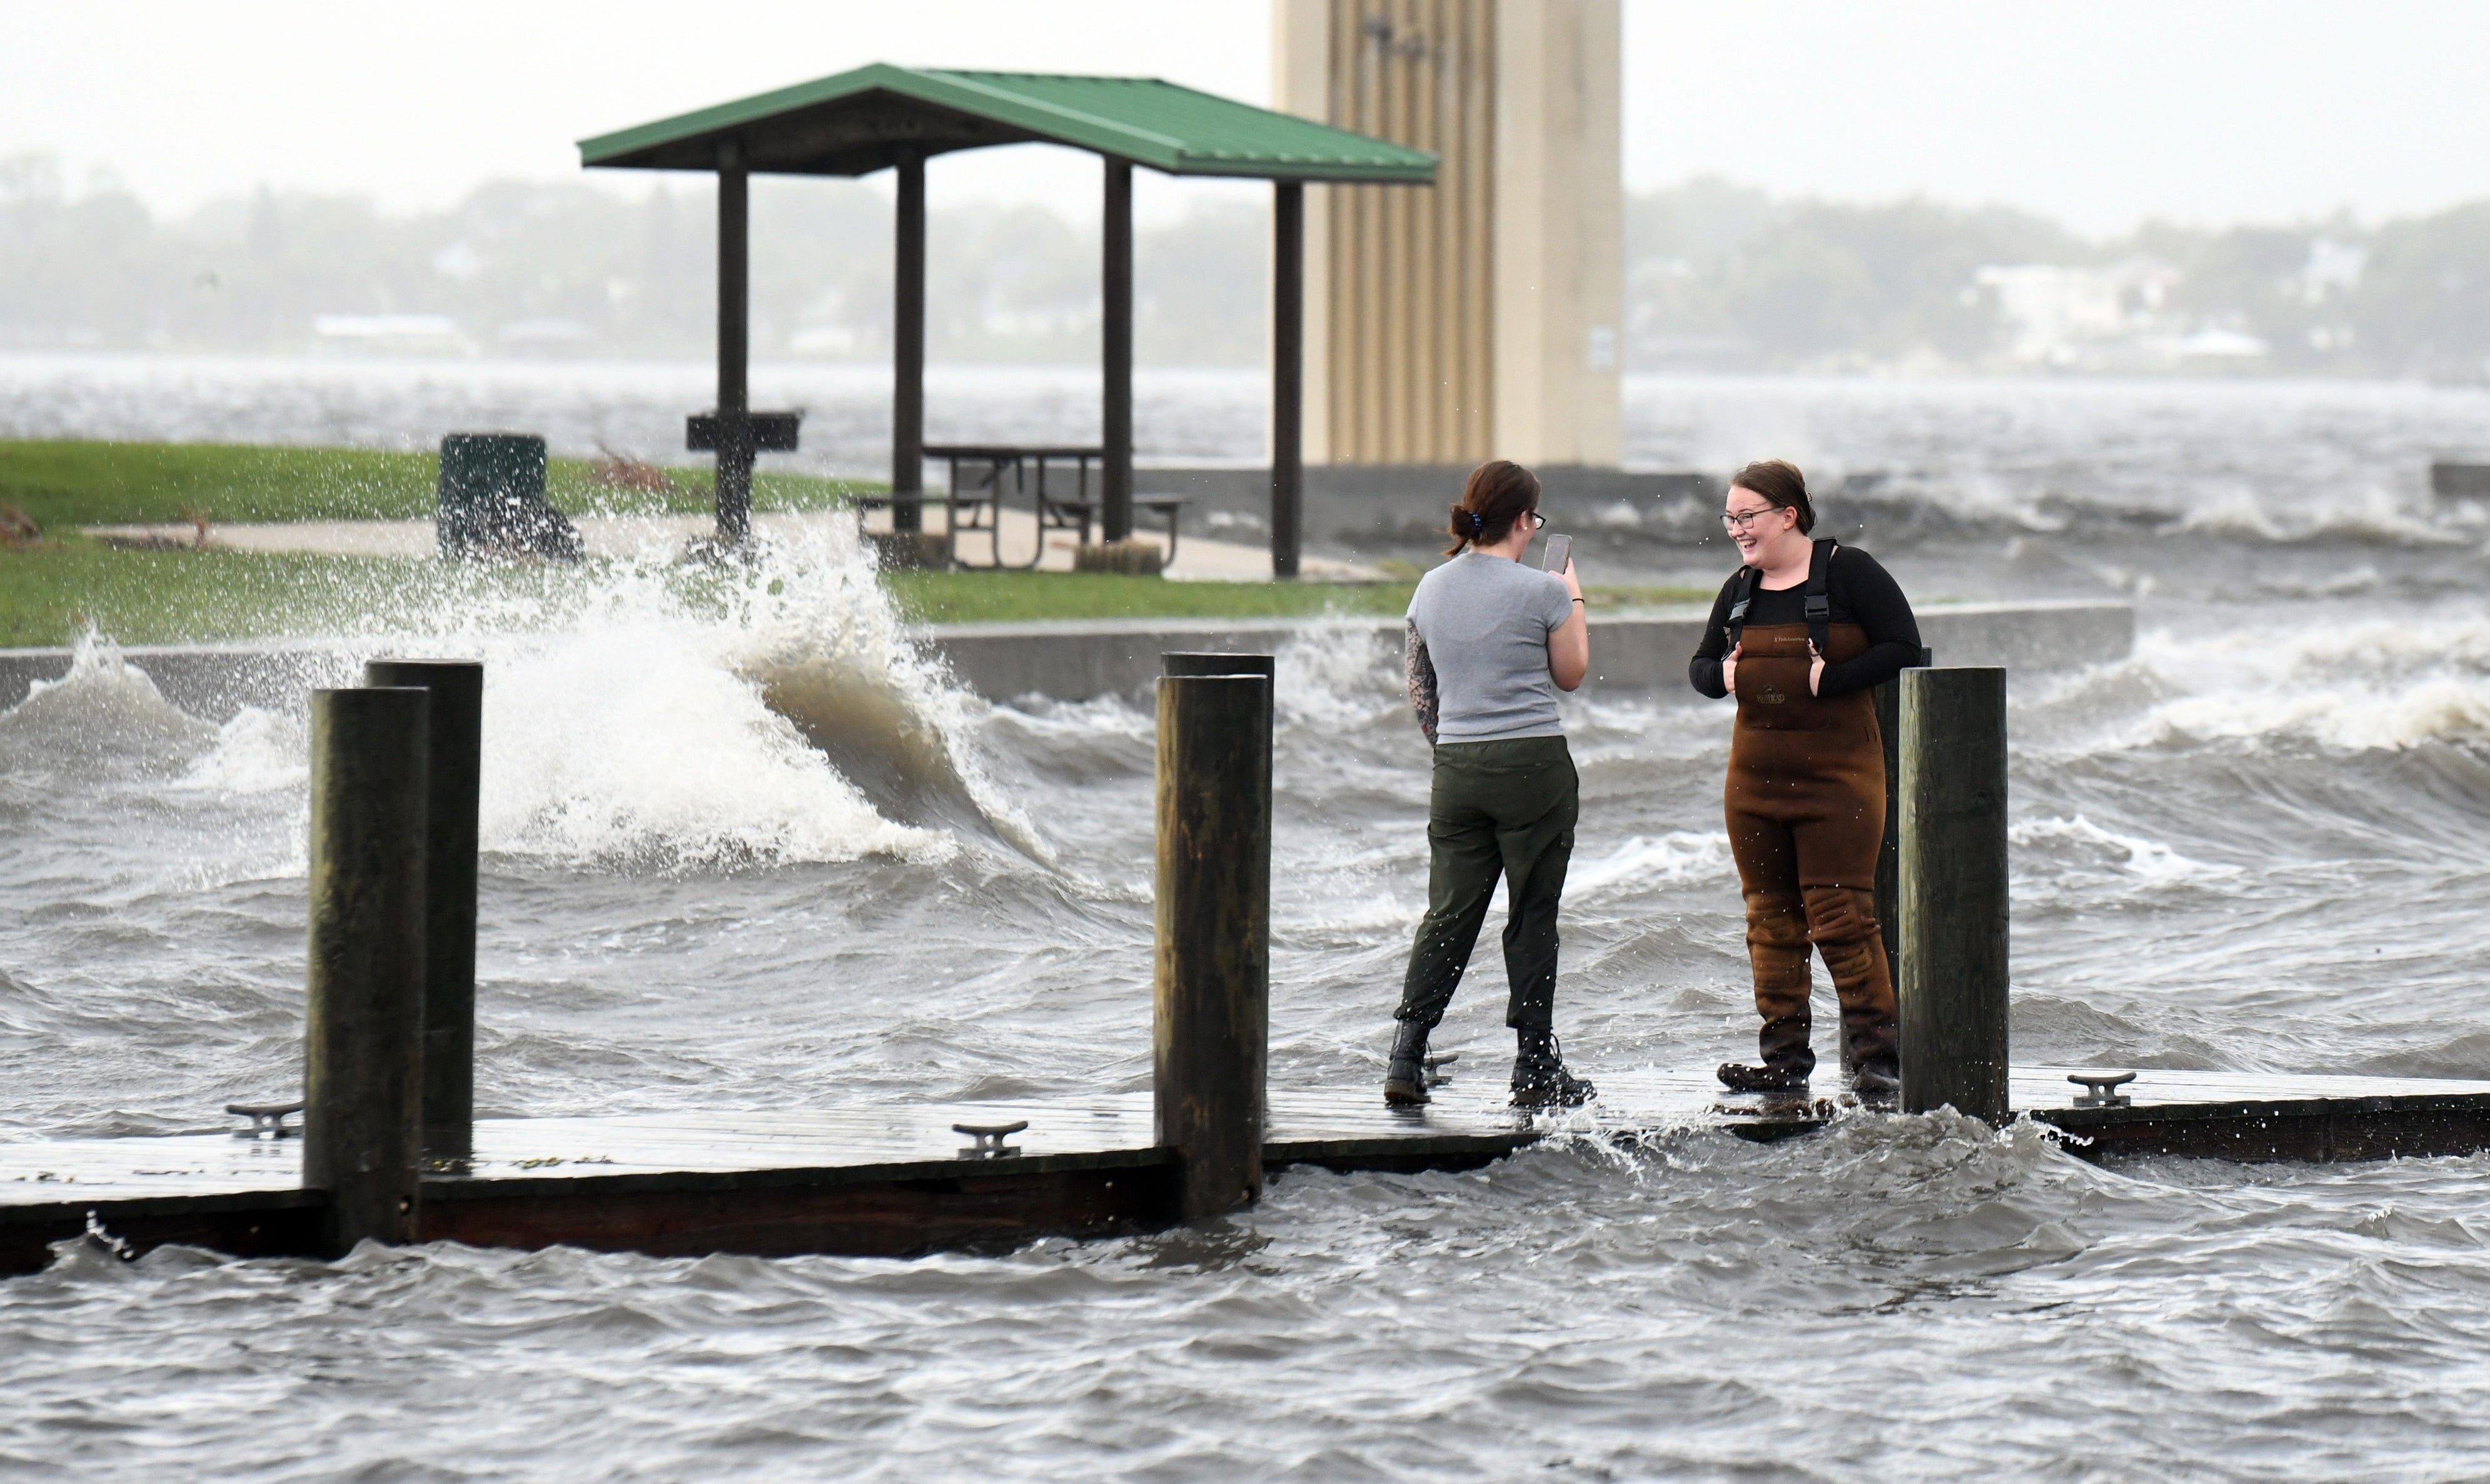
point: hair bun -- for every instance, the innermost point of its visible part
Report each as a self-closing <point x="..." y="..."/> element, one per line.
<point x="1497" y="494"/>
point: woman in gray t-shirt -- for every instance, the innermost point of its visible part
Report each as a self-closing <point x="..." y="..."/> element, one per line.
<point x="1490" y="642"/>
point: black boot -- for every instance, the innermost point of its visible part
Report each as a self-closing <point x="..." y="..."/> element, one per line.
<point x="1540" y="1079"/>
<point x="1878" y="1083"/>
<point x="1405" y="1081"/>
<point x="1740" y="1077"/>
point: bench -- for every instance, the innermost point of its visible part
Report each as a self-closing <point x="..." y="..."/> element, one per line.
<point x="1167" y="507"/>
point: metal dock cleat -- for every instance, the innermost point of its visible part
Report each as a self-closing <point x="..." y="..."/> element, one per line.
<point x="2103" y="1089"/>
<point x="1436" y="1065"/>
<point x="266" y="1119"/>
<point x="990" y="1138"/>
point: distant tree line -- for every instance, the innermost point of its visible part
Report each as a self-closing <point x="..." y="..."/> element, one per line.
<point x="583" y="270"/>
<point x="1718" y="276"/>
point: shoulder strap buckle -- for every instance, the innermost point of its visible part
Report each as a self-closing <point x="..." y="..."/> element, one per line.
<point x="1819" y="601"/>
<point x="1736" y="625"/>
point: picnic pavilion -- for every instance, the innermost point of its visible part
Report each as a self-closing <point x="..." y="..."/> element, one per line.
<point x="893" y="118"/>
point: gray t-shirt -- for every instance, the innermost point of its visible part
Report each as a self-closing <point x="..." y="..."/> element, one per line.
<point x="1486" y="622"/>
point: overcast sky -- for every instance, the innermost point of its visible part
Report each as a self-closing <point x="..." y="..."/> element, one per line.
<point x="2100" y="113"/>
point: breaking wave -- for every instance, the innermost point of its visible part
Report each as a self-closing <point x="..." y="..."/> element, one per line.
<point x="668" y="717"/>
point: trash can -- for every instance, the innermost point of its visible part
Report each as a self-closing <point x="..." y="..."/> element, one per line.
<point x="492" y="499"/>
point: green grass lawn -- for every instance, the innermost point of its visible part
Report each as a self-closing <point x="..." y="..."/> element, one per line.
<point x="1000" y="597"/>
<point x="52" y="591"/>
<point x="55" y="589"/>
<point x="65" y="485"/>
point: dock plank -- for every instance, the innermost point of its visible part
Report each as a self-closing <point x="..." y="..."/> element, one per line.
<point x="892" y="1179"/>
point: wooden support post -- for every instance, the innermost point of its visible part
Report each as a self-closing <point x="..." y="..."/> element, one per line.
<point x="733" y="344"/>
<point x="1288" y="376"/>
<point x="1197" y="663"/>
<point x="455" y="739"/>
<point x="362" y="1035"/>
<point x="908" y="350"/>
<point x="1889" y="855"/>
<point x="1952" y="896"/>
<point x="1115" y="357"/>
<point x="1211" y="1017"/>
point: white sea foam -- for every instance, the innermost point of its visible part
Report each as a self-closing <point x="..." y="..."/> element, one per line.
<point x="2149" y="861"/>
<point x="1379" y="912"/>
<point x="256" y="752"/>
<point x="1679" y="855"/>
<point x="746" y="717"/>
<point x="1336" y="675"/>
<point x="103" y="700"/>
<point x="2371" y="685"/>
<point x="2373" y="515"/>
<point x="635" y="744"/>
<point x="657" y="714"/>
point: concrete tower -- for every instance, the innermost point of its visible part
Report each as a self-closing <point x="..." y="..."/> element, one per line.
<point x="1478" y="319"/>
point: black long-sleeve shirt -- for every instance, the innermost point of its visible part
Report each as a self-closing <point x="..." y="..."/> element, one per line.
<point x="1859" y="590"/>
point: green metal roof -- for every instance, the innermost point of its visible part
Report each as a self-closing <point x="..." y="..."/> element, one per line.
<point x="864" y="121"/>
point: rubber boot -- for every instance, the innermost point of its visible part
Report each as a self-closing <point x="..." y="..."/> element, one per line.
<point x="1878" y="1084"/>
<point x="1744" y="1077"/>
<point x="1777" y="947"/>
<point x="1540" y="1079"/>
<point x="1404" y="1080"/>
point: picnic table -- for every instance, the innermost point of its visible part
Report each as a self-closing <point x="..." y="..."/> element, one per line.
<point x="986" y="476"/>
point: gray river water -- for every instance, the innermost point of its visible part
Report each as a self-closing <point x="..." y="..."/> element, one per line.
<point x="2259" y="843"/>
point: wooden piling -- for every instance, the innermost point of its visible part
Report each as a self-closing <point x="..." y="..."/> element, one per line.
<point x="364" y="1028"/>
<point x="1201" y="663"/>
<point x="1889" y="855"/>
<point x="455" y="741"/>
<point x="1951" y="894"/>
<point x="1211" y="1017"/>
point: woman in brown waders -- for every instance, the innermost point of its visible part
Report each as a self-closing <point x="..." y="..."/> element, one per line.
<point x="1802" y="635"/>
<point x="1491" y="642"/>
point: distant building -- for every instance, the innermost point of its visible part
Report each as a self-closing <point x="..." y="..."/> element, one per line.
<point x="2332" y="268"/>
<point x="1479" y="317"/>
<point x="2055" y="313"/>
<point x="421" y="334"/>
<point x="2213" y="346"/>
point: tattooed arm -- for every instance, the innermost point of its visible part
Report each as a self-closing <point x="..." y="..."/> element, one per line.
<point x="1419" y="672"/>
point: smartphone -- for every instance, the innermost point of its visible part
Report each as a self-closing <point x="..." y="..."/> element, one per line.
<point x="1560" y="550"/>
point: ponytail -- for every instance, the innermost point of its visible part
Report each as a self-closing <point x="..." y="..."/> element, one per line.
<point x="1499" y="492"/>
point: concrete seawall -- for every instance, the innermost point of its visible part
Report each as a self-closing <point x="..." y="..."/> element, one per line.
<point x="1076" y="660"/>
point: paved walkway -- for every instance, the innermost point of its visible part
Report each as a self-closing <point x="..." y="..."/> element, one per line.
<point x="1197" y="558"/>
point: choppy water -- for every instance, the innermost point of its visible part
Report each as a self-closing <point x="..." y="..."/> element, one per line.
<point x="2257" y="845"/>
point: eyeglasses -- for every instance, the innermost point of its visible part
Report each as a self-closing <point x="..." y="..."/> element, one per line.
<point x="1538" y="521"/>
<point x="1740" y="520"/>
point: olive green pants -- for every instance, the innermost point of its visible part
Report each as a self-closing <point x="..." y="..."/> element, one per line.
<point x="1497" y="809"/>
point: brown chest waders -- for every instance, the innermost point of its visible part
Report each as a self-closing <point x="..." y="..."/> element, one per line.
<point x="1806" y="811"/>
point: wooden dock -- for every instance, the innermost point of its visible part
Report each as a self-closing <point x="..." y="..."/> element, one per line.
<point x="892" y="1181"/>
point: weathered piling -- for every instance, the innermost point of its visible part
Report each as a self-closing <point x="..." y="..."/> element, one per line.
<point x="1952" y="895"/>
<point x="1200" y="663"/>
<point x="454" y="739"/>
<point x="363" y="1032"/>
<point x="1211" y="1013"/>
<point x="1888" y="854"/>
